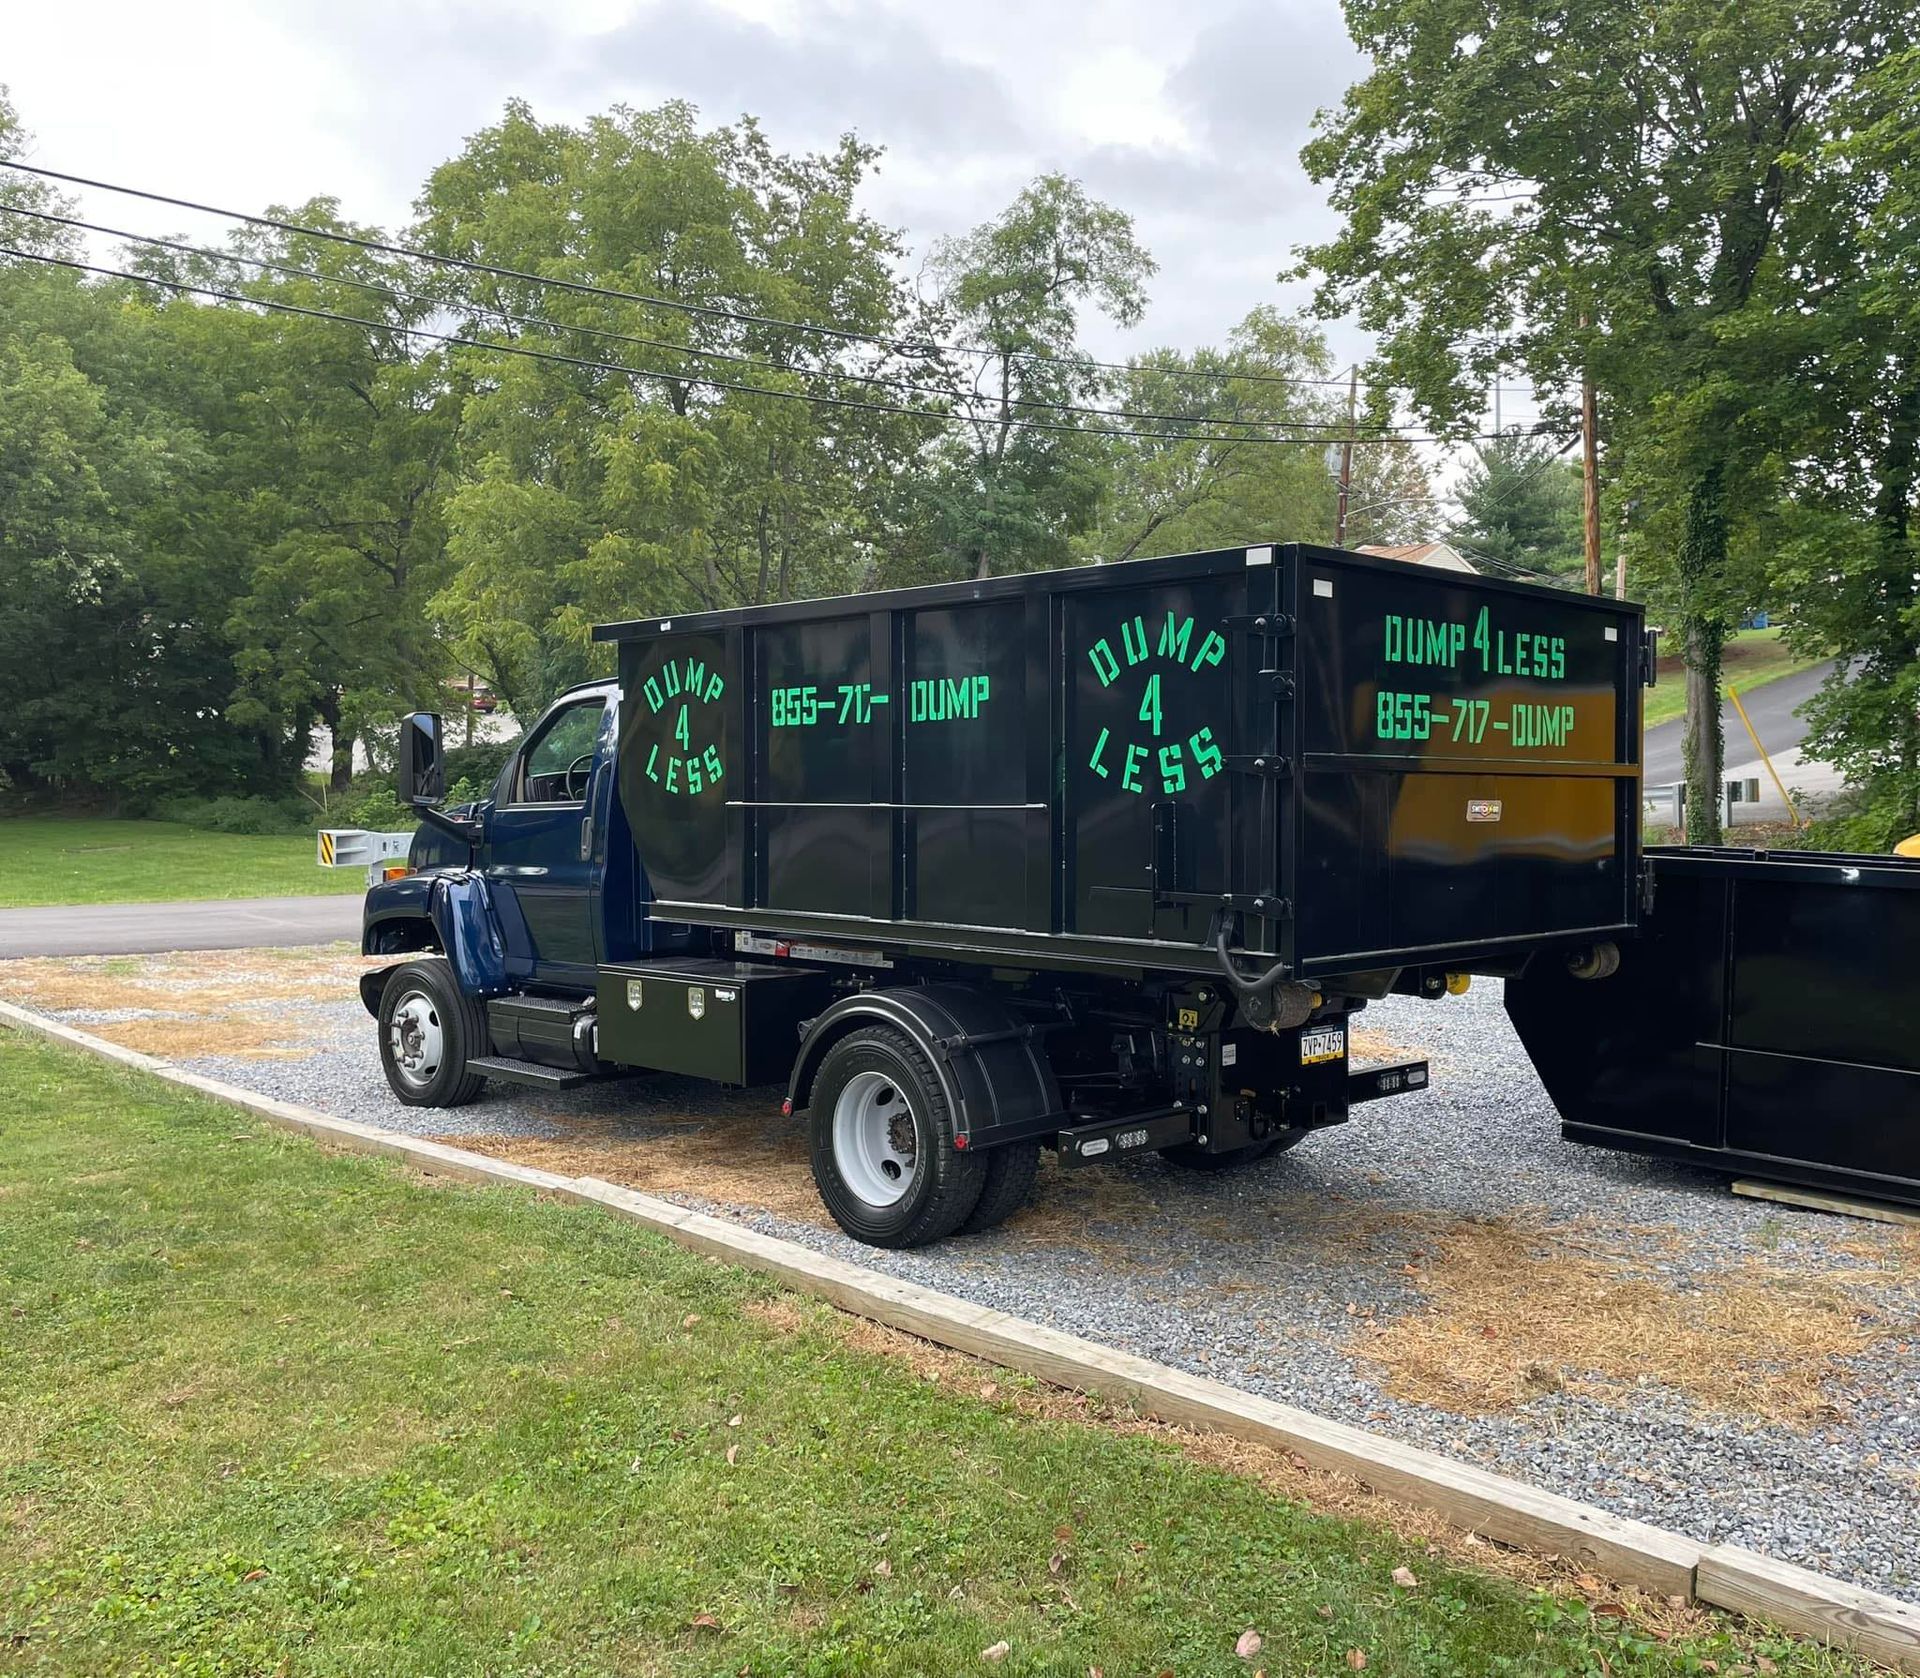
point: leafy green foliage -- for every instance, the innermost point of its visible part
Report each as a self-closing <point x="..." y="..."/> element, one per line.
<point x="1003" y="497"/>
<point x="1603" y="188"/>
<point x="1520" y="504"/>
<point x="594" y="496"/>
<point x="1848" y="561"/>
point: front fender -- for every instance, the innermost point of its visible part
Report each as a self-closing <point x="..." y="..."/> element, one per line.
<point x="450" y="910"/>
<point x="461" y="904"/>
<point x="397" y="916"/>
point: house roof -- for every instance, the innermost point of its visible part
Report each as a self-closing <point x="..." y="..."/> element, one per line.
<point x="1442" y="554"/>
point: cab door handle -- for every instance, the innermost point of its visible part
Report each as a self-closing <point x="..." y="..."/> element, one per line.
<point x="586" y="838"/>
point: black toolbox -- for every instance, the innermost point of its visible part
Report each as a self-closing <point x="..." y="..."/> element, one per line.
<point x="736" y="1022"/>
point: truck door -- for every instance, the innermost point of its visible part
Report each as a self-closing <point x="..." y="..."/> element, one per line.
<point x="541" y="844"/>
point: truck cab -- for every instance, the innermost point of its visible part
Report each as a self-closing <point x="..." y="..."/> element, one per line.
<point x="561" y="879"/>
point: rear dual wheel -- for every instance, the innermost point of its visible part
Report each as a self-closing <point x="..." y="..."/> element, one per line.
<point x="882" y="1135"/>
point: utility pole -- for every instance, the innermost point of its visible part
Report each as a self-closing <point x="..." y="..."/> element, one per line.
<point x="1590" y="460"/>
<point x="1346" y="457"/>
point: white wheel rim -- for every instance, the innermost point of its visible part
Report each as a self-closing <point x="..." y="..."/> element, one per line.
<point x="415" y="1040"/>
<point x="874" y="1143"/>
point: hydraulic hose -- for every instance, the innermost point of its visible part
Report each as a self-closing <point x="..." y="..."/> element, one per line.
<point x="1240" y="984"/>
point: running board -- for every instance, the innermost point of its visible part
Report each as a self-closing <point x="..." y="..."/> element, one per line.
<point x="506" y="1070"/>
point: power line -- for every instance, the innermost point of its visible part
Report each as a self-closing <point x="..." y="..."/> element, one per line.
<point x="921" y="347"/>
<point x="560" y="359"/>
<point x="467" y="304"/>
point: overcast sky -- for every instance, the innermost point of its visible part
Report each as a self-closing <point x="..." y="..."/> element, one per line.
<point x="1188" y="114"/>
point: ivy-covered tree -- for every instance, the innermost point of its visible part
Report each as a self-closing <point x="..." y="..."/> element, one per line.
<point x="1848" y="566"/>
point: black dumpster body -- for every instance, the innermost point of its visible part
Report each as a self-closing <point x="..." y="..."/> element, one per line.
<point x="1351" y="765"/>
<point x="1766" y="1021"/>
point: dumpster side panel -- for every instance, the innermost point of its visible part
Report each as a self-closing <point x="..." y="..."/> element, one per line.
<point x="680" y="761"/>
<point x="1763" y="1022"/>
<point x="1468" y="762"/>
<point x="1150" y="722"/>
<point x="823" y="725"/>
<point x="975" y="813"/>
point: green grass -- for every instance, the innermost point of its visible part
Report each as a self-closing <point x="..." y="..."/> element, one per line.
<point x="266" y="1409"/>
<point x="57" y="859"/>
<point x="1754" y="657"/>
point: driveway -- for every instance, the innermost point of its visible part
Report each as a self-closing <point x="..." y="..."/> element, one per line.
<point x="1771" y="706"/>
<point x="89" y="929"/>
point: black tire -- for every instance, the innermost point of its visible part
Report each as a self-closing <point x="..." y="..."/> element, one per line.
<point x="1195" y="1158"/>
<point x="1011" y="1171"/>
<point x="942" y="1182"/>
<point x="440" y="1006"/>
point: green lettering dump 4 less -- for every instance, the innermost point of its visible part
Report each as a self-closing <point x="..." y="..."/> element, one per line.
<point x="1158" y="751"/>
<point x="1477" y="649"/>
<point x="683" y="765"/>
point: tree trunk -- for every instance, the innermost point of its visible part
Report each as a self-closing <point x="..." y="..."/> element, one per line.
<point x="1893" y="513"/>
<point x="340" y="777"/>
<point x="1703" y="632"/>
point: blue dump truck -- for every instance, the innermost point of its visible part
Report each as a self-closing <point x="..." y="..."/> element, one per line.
<point x="1100" y="860"/>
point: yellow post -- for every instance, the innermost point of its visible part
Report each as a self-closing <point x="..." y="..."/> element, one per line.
<point x="1786" y="798"/>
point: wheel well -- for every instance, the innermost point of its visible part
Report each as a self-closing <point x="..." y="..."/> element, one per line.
<point x="995" y="1073"/>
<point x="402" y="935"/>
<point x="814" y="1051"/>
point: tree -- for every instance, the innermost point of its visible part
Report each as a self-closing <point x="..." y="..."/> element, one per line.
<point x="1850" y="556"/>
<point x="1008" y="496"/>
<point x="641" y="486"/>
<point x="1520" y="503"/>
<point x="341" y="441"/>
<point x="1173" y="493"/>
<point x="1505" y="175"/>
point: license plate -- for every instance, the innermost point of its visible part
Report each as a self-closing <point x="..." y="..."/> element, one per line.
<point x="1328" y="1043"/>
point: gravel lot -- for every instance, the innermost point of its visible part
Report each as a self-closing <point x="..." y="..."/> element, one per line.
<point x="1444" y="1268"/>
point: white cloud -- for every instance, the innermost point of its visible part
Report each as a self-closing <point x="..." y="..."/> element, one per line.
<point x="1188" y="115"/>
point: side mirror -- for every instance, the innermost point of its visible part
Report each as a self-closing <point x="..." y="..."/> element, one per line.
<point x="422" y="776"/>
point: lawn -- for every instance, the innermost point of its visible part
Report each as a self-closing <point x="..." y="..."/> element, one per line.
<point x="56" y="859"/>
<point x="269" y="1409"/>
<point x="1753" y="658"/>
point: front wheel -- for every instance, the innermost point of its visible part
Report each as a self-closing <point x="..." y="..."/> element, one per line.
<point x="882" y="1142"/>
<point x="428" y="1030"/>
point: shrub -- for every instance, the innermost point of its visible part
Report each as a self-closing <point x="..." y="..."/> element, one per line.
<point x="239" y="815"/>
<point x="378" y="809"/>
<point x="479" y="763"/>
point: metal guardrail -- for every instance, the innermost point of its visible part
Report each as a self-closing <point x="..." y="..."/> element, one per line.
<point x="357" y="847"/>
<point x="1666" y="802"/>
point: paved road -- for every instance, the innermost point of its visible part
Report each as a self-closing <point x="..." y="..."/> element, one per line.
<point x="1771" y="707"/>
<point x="92" y="929"/>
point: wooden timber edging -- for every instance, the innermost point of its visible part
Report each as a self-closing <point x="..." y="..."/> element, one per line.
<point x="1633" y="1552"/>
